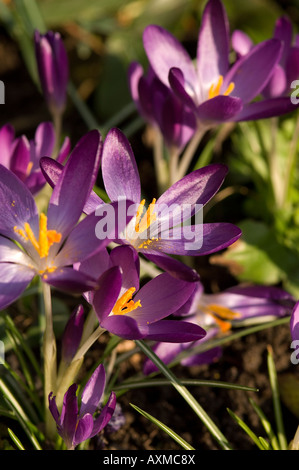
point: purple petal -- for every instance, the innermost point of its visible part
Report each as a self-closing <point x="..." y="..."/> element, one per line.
<point x="294" y="323"/>
<point x="206" y="357"/>
<point x="119" y="168"/>
<point x="173" y="266"/>
<point x="198" y="187"/>
<point x="44" y="140"/>
<point x="124" y="326"/>
<point x="164" y="52"/>
<point x="135" y="72"/>
<point x="20" y="158"/>
<point x="14" y="278"/>
<point x="72" y="334"/>
<point x="70" y="280"/>
<point x="53" y="408"/>
<point x="107" y="292"/>
<point x="161" y="297"/>
<point x="64" y="150"/>
<point x="52" y="170"/>
<point x="10" y="252"/>
<point x="277" y="83"/>
<point x="18" y="202"/>
<point x="213" y="44"/>
<point x="174" y="331"/>
<point x="266" y="109"/>
<point x="292" y="66"/>
<point x="6" y="144"/>
<point x="83" y="430"/>
<point x="81" y="172"/>
<point x="69" y="415"/>
<point x="241" y="42"/>
<point x="284" y="32"/>
<point x="180" y="88"/>
<point x="197" y="240"/>
<point x="105" y="416"/>
<point x="93" y="391"/>
<point x="251" y="73"/>
<point x="219" y="109"/>
<point x="127" y="259"/>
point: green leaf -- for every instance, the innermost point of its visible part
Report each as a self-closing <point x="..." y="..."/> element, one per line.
<point x="164" y="428"/>
<point x="247" y="429"/>
<point x="15" y="439"/>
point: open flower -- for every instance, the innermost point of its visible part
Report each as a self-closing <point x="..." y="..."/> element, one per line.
<point x="49" y="245"/>
<point x="220" y="312"/>
<point x="131" y="312"/>
<point x="53" y="69"/>
<point x="76" y="425"/>
<point x="22" y="156"/>
<point x="214" y="90"/>
<point x="157" y="232"/>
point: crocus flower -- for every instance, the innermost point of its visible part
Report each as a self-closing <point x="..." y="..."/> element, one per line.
<point x="53" y="69"/>
<point x="220" y="312"/>
<point x="49" y="245"/>
<point x="22" y="156"/>
<point x="76" y="425"/>
<point x="214" y="90"/>
<point x="72" y="334"/>
<point x="157" y="233"/>
<point x="131" y="312"/>
<point x="287" y="69"/>
<point x="161" y="108"/>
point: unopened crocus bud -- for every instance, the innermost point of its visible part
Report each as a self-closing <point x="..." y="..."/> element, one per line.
<point x="72" y="334"/>
<point x="53" y="69"/>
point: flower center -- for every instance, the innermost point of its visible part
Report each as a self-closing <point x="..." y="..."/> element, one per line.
<point x="222" y="316"/>
<point x="214" y="90"/>
<point x="125" y="304"/>
<point x="46" y="237"/>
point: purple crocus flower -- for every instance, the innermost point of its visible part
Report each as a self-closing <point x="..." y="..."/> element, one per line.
<point x="218" y="313"/>
<point x="53" y="69"/>
<point x="22" y="156"/>
<point x="76" y="425"/>
<point x="160" y="107"/>
<point x="214" y="90"/>
<point x="131" y="312"/>
<point x="294" y="323"/>
<point x="157" y="233"/>
<point x="49" y="245"/>
<point x="287" y="70"/>
<point x="72" y="334"/>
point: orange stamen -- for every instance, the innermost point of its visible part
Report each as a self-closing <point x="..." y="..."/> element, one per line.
<point x="125" y="304"/>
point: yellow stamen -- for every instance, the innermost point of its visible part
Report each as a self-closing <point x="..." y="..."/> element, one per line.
<point x="29" y="168"/>
<point x="125" y="304"/>
<point x="214" y="90"/>
<point x="222" y="316"/>
<point x="149" y="217"/>
<point x="46" y="237"/>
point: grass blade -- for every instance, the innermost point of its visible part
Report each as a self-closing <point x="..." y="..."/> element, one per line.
<point x="15" y="439"/>
<point x="164" y="428"/>
<point x="247" y="429"/>
<point x="266" y="425"/>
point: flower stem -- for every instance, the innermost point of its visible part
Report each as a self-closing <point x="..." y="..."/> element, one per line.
<point x="159" y="162"/>
<point x="49" y="355"/>
<point x="190" y="150"/>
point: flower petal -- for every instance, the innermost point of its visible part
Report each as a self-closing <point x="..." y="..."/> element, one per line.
<point x="251" y="73"/>
<point x="213" y="44"/>
<point x="69" y="414"/>
<point x="124" y="326"/>
<point x="164" y="52"/>
<point x="174" y="331"/>
<point x="294" y="323"/>
<point x="127" y="259"/>
<point x="266" y="108"/>
<point x="171" y="265"/>
<point x="160" y="297"/>
<point x="93" y="391"/>
<point x="107" y="292"/>
<point x="83" y="430"/>
<point x="119" y="168"/>
<point x="68" y="279"/>
<point x="105" y="416"/>
<point x="19" y="205"/>
<point x="14" y="278"/>
<point x="80" y="171"/>
<point x="7" y="135"/>
<point x="219" y="109"/>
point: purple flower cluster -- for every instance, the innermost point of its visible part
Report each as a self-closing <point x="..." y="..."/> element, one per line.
<point x="87" y="246"/>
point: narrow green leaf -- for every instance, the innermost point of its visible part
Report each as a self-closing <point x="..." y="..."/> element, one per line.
<point x="276" y="400"/>
<point x="266" y="425"/>
<point x="165" y="428"/>
<point x="247" y="429"/>
<point x="15" y="439"/>
<point x="265" y="443"/>
<point x="204" y="417"/>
